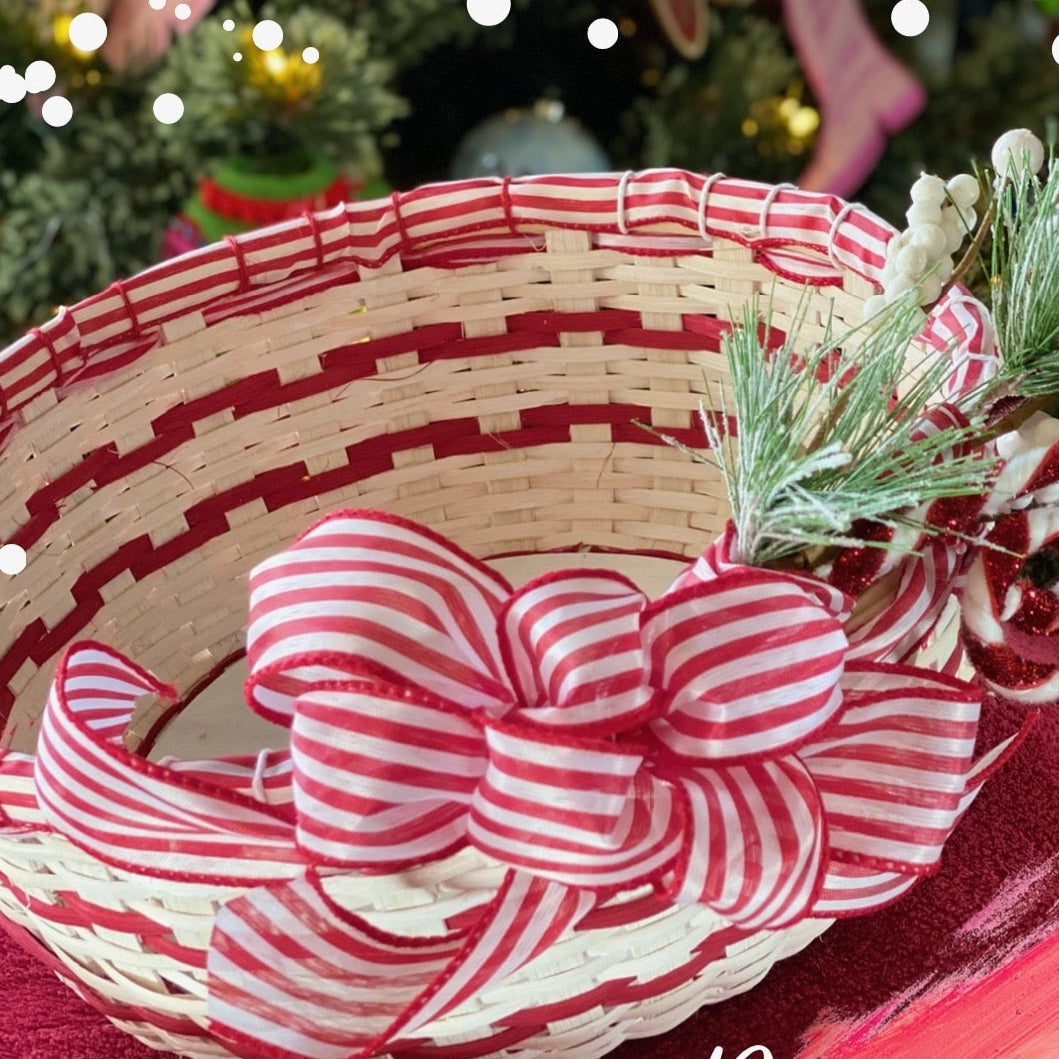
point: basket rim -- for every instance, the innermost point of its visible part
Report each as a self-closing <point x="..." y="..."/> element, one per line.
<point x="801" y="236"/>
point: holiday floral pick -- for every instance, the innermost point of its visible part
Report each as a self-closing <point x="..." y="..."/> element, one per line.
<point x="910" y="491"/>
<point x="1021" y="221"/>
<point x="1024" y="274"/>
<point x="1008" y="580"/>
<point x="1017" y="152"/>
<point x="805" y="472"/>
<point x="838" y="434"/>
<point x="919" y="259"/>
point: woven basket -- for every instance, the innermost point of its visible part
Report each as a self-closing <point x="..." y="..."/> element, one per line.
<point x="472" y="356"/>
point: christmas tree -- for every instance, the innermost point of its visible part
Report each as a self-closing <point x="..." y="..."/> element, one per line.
<point x="382" y="93"/>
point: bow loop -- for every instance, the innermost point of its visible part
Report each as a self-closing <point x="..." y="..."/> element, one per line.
<point x="571" y="642"/>
<point x="893" y="769"/>
<point x="383" y="775"/>
<point x="749" y="664"/>
<point x="365" y="593"/>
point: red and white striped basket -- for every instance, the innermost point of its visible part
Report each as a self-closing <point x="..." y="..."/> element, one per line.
<point x="495" y="819"/>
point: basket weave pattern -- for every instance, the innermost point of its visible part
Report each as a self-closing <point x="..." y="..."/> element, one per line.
<point x="470" y="356"/>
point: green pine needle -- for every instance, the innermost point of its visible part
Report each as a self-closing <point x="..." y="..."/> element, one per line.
<point x="813" y="457"/>
<point x="1025" y="283"/>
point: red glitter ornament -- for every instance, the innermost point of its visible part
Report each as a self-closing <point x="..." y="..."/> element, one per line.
<point x="1011" y="607"/>
<point x="1038" y="612"/>
<point x="856" y="568"/>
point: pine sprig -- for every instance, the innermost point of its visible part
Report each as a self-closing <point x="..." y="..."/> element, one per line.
<point x="820" y="448"/>
<point x="1025" y="283"/>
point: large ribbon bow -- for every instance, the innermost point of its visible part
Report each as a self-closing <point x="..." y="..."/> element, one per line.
<point x="719" y="744"/>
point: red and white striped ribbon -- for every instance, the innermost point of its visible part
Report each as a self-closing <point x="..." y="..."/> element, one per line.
<point x="571" y="641"/>
<point x="586" y="813"/>
<point x="366" y="986"/>
<point x="892" y="769"/>
<point x="849" y="889"/>
<point x="924" y="588"/>
<point x="749" y="662"/>
<point x="370" y="594"/>
<point x="716" y="743"/>
<point x="757" y="842"/>
<point x="265" y="777"/>
<point x="383" y="775"/>
<point x="130" y="812"/>
<point x="717" y="560"/>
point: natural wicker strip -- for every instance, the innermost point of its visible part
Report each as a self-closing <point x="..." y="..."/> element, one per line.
<point x="365" y="233"/>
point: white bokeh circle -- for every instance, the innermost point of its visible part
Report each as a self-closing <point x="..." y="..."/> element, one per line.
<point x="311" y="55"/>
<point x="228" y="24"/>
<point x="1055" y="49"/>
<point x="488" y="12"/>
<point x="12" y="85"/>
<point x="267" y="34"/>
<point x="88" y="31"/>
<point x="168" y="108"/>
<point x="12" y="559"/>
<point x="182" y="12"/>
<point x="910" y="17"/>
<point x="40" y="76"/>
<point x="56" y="111"/>
<point x="603" y="33"/>
<point x="157" y="4"/>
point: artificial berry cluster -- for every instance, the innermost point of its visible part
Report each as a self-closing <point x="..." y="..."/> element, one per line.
<point x="920" y="258"/>
<point x="942" y="213"/>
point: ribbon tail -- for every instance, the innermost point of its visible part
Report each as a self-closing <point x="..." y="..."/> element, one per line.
<point x="994" y="760"/>
<point x="292" y="975"/>
<point x="528" y="916"/>
<point x="138" y="814"/>
<point x="852" y="888"/>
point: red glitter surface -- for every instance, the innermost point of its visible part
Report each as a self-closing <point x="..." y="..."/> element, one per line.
<point x="956" y="514"/>
<point x="1038" y="611"/>
<point x="856" y="568"/>
<point x="1003" y="666"/>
